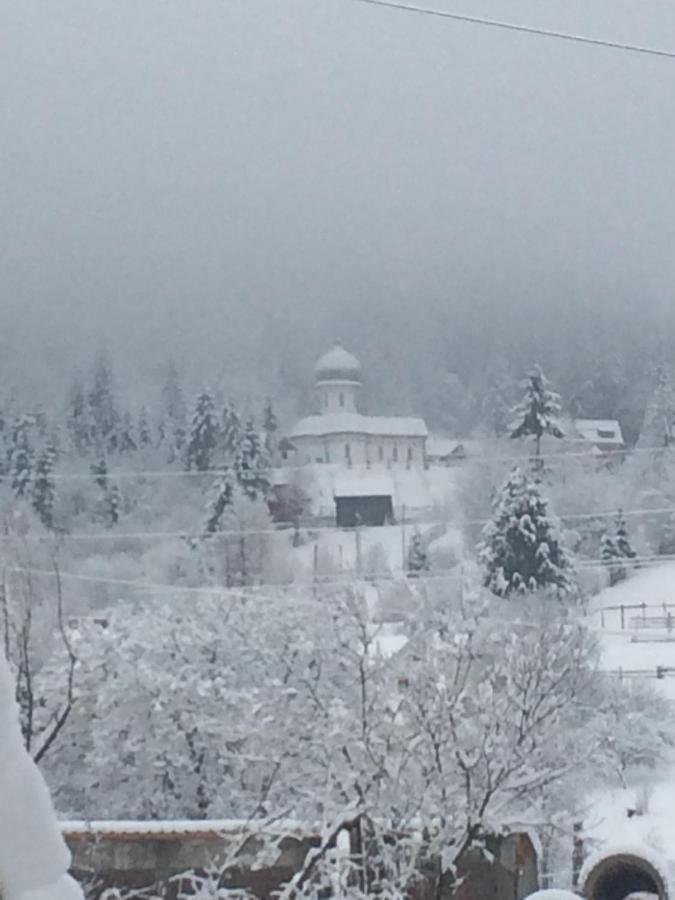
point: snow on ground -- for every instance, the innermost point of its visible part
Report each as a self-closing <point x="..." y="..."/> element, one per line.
<point x="637" y="650"/>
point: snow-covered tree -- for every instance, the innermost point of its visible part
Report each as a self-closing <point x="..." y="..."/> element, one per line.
<point x="220" y="499"/>
<point x="204" y="434"/>
<point x="44" y="485"/>
<point x="21" y="456"/>
<point x="127" y="442"/>
<point x="173" y="428"/>
<point x="538" y="412"/>
<point x="521" y="548"/>
<point x="659" y="419"/>
<point x="418" y="560"/>
<point x="113" y="504"/>
<point x="623" y="544"/>
<point x="103" y="414"/>
<point x="609" y="554"/>
<point x="144" y="429"/>
<point x="231" y="432"/>
<point x="270" y="425"/>
<point x="99" y="470"/>
<point x="252" y="463"/>
<point x="77" y="417"/>
<point x="34" y="859"/>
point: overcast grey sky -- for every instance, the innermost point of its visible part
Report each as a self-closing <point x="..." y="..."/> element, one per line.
<point x="229" y="169"/>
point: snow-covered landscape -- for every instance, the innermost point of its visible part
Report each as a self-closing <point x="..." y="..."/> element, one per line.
<point x="337" y="450"/>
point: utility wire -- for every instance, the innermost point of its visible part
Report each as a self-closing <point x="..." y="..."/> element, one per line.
<point x="524" y="29"/>
<point x="287" y="529"/>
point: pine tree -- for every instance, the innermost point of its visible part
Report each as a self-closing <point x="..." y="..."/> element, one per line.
<point x="270" y="425"/>
<point x="44" y="486"/>
<point x="659" y="420"/>
<point x="623" y="544"/>
<point x="173" y="399"/>
<point x="521" y="548"/>
<point x="99" y="470"/>
<point x="609" y="554"/>
<point x="126" y="438"/>
<point x="252" y="464"/>
<point x="144" y="429"/>
<point x="204" y="435"/>
<point x="21" y="456"/>
<point x="113" y="503"/>
<point x="102" y="411"/>
<point x="77" y="418"/>
<point x="418" y="561"/>
<point x="538" y="411"/>
<point x="220" y="499"/>
<point x="231" y="432"/>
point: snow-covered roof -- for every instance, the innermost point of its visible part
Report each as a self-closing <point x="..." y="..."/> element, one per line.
<point x="441" y="447"/>
<point x="355" y="423"/>
<point x="602" y="431"/>
<point x="171" y="828"/>
<point x="338" y="364"/>
<point x="363" y="483"/>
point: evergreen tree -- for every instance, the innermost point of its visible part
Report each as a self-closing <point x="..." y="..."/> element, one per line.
<point x="521" y="548"/>
<point x="623" y="544"/>
<point x="270" y="425"/>
<point x="99" y="470"/>
<point x="659" y="418"/>
<point x="220" y="499"/>
<point x="538" y="411"/>
<point x="44" y="486"/>
<point x="144" y="429"/>
<point x="126" y="438"/>
<point x="609" y="555"/>
<point x="231" y="432"/>
<point x="102" y="411"/>
<point x="21" y="456"/>
<point x="252" y="464"/>
<point x="204" y="435"/>
<point x="173" y="399"/>
<point x="418" y="561"/>
<point x="113" y="503"/>
<point x="77" y="418"/>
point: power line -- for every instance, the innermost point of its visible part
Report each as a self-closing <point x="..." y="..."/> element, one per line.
<point x="288" y="529"/>
<point x="556" y="456"/>
<point x="524" y="29"/>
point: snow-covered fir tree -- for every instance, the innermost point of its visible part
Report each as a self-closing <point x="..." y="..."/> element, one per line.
<point x="103" y="413"/>
<point x="659" y="420"/>
<point x="44" y="485"/>
<point x="610" y="556"/>
<point x="77" y="417"/>
<point x="252" y="463"/>
<point x="418" y="560"/>
<point x="623" y="544"/>
<point x="127" y="437"/>
<point x="521" y="548"/>
<point x="219" y="500"/>
<point x="230" y="432"/>
<point x="21" y="456"/>
<point x="99" y="470"/>
<point x="204" y="435"/>
<point x="113" y="504"/>
<point x="270" y="425"/>
<point x="144" y="429"/>
<point x="538" y="412"/>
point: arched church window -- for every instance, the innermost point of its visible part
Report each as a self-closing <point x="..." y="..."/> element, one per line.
<point x="348" y="451"/>
<point x="395" y="453"/>
<point x="380" y="453"/>
<point x="342" y="399"/>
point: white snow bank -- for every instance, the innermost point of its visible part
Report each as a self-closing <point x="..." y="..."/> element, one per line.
<point x="553" y="894"/>
<point x="34" y="859"/>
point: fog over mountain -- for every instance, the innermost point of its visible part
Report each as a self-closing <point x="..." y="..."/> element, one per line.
<point x="239" y="182"/>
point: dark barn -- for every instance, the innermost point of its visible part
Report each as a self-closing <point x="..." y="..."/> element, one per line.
<point x="374" y="509"/>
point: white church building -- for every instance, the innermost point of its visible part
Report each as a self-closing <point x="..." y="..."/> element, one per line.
<point x="339" y="434"/>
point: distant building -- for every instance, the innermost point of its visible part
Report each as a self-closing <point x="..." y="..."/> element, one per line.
<point x="604" y="435"/>
<point x="445" y="451"/>
<point x="339" y="433"/>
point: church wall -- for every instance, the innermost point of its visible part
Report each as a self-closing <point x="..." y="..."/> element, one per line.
<point x="380" y="451"/>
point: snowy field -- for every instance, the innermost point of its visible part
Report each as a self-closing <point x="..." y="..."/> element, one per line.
<point x="640" y="815"/>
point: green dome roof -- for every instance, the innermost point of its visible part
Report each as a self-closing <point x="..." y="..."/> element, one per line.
<point x="338" y="365"/>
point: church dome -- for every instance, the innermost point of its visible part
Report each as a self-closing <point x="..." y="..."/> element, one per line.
<point x="338" y="365"/>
